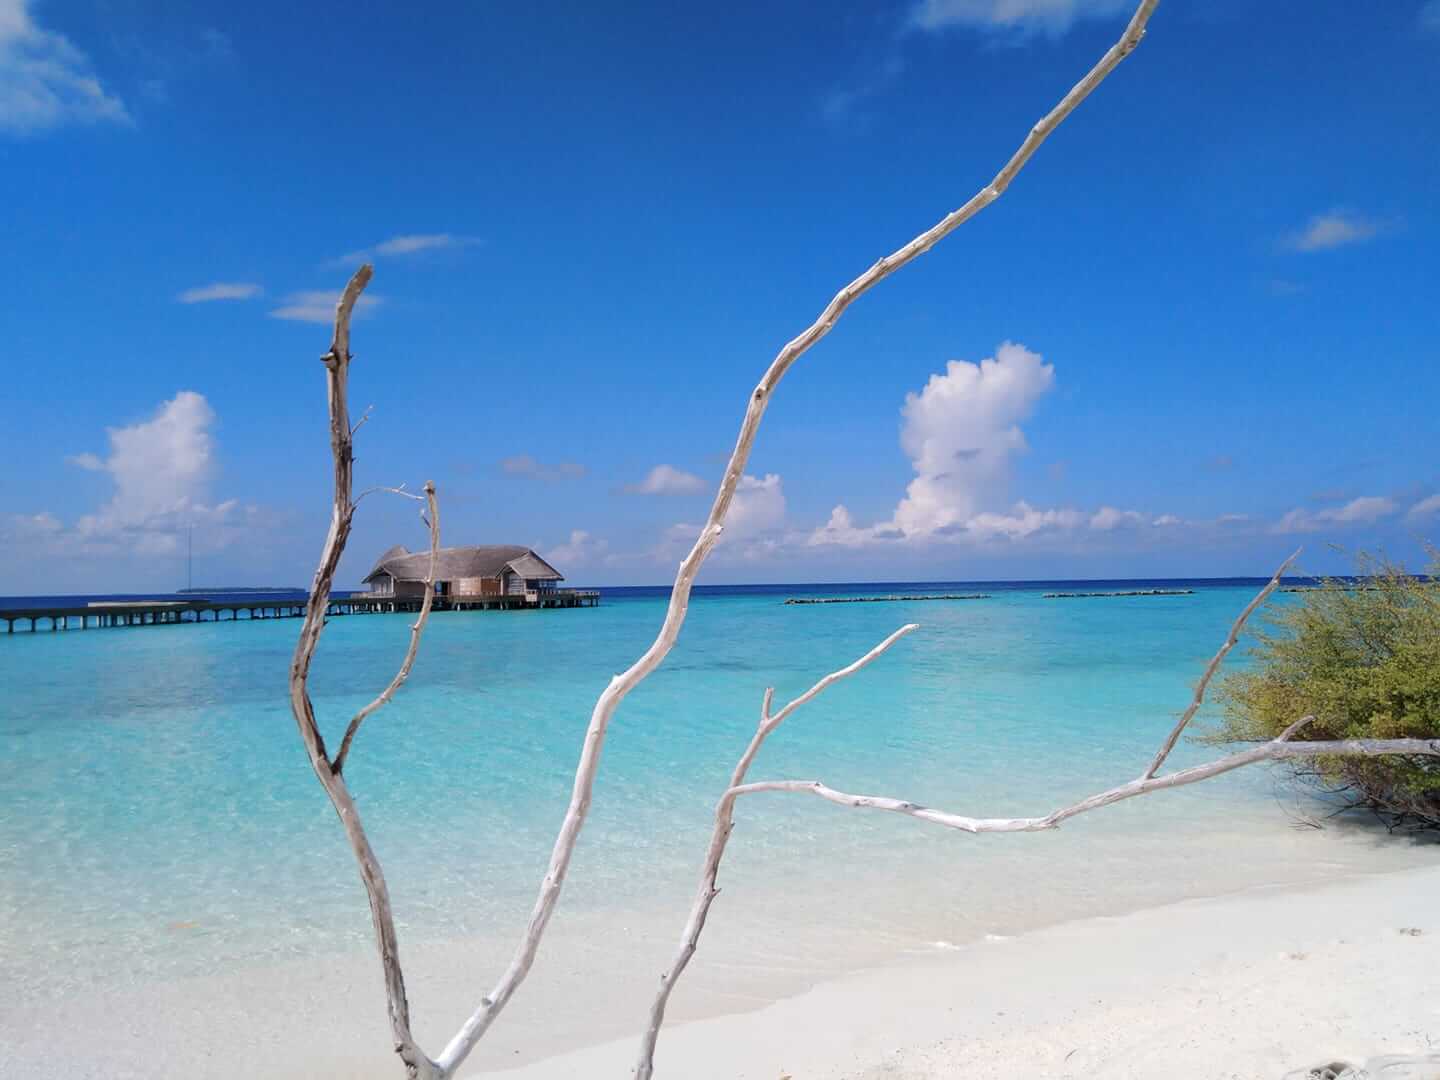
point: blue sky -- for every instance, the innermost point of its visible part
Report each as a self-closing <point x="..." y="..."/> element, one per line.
<point x="1198" y="331"/>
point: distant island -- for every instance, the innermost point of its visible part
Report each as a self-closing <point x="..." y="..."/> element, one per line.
<point x="1128" y="592"/>
<point x="881" y="599"/>
<point x="238" y="589"/>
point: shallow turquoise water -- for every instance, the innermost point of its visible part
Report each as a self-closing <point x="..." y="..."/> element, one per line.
<point x="158" y="816"/>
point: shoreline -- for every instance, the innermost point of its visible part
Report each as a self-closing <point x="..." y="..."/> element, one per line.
<point x="1271" y="981"/>
<point x="1254" y="983"/>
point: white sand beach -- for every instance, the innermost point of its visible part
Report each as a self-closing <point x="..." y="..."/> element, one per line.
<point x="1251" y="985"/>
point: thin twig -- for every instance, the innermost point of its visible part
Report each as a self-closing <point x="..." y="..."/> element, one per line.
<point x="416" y="630"/>
<point x="720" y="836"/>
<point x="564" y="848"/>
<point x="382" y="489"/>
<point x="1215" y="661"/>
<point x="364" y="419"/>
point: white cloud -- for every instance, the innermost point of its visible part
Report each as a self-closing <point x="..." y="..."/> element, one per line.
<point x="1049" y="16"/>
<point x="1108" y="518"/>
<point x="1166" y="520"/>
<point x="1365" y="510"/>
<point x="754" y="525"/>
<point x="1425" y="507"/>
<point x="318" y="306"/>
<point x="1021" y="522"/>
<point x="961" y="433"/>
<point x="45" y="81"/>
<point x="758" y="507"/>
<point x="842" y="530"/>
<point x="408" y="244"/>
<point x="161" y="469"/>
<point x="86" y="461"/>
<point x="1335" y="229"/>
<point x="582" y="549"/>
<point x="667" y="480"/>
<point x="20" y="529"/>
<point x="221" y="290"/>
<point x="525" y="465"/>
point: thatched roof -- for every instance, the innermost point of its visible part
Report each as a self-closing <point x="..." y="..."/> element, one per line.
<point x="485" y="561"/>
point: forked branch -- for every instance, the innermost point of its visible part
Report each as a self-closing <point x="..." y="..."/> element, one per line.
<point x="337" y="370"/>
<point x="621" y="685"/>
<point x="417" y="628"/>
<point x="1198" y="698"/>
<point x="720" y="836"/>
<point x="1278" y="748"/>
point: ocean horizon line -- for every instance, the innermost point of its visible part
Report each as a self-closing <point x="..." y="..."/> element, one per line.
<point x="722" y="589"/>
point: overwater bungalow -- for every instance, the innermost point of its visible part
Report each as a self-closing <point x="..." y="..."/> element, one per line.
<point x="492" y="575"/>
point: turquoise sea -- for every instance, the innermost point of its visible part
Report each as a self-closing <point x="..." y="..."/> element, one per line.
<point x="159" y="822"/>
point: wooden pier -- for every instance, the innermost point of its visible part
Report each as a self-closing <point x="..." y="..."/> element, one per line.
<point x="103" y="614"/>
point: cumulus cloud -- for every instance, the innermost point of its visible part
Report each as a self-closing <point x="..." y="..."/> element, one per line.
<point x="525" y="465"/>
<point x="841" y="530"/>
<point x="318" y="306"/>
<point x="1166" y="520"/>
<point x="222" y="290"/>
<point x="1108" y="518"/>
<point x="1020" y="522"/>
<point x="1425" y="507"/>
<point x="1365" y="510"/>
<point x="408" y="244"/>
<point x="667" y="480"/>
<point x="45" y="81"/>
<point x="582" y="549"/>
<point x="755" y="525"/>
<point x="961" y="433"/>
<point x="758" y="507"/>
<point x="161" y="469"/>
<point x="1336" y="229"/>
<point x="1048" y="16"/>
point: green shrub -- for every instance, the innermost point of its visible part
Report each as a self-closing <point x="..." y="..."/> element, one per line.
<point x="1364" y="658"/>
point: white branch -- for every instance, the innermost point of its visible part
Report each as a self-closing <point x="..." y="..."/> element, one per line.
<point x="337" y="367"/>
<point x="1273" y="750"/>
<point x="1277" y="748"/>
<point x="621" y="685"/>
<point x="379" y="488"/>
<point x="720" y="835"/>
<point x="1219" y="658"/>
<point x="416" y="630"/>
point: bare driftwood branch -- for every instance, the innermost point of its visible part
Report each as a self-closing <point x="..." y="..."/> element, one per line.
<point x="417" y="628"/>
<point x="1219" y="658"/>
<point x="1278" y="748"/>
<point x="621" y="685"/>
<point x="337" y="368"/>
<point x="1275" y="749"/>
<point x="720" y="835"/>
